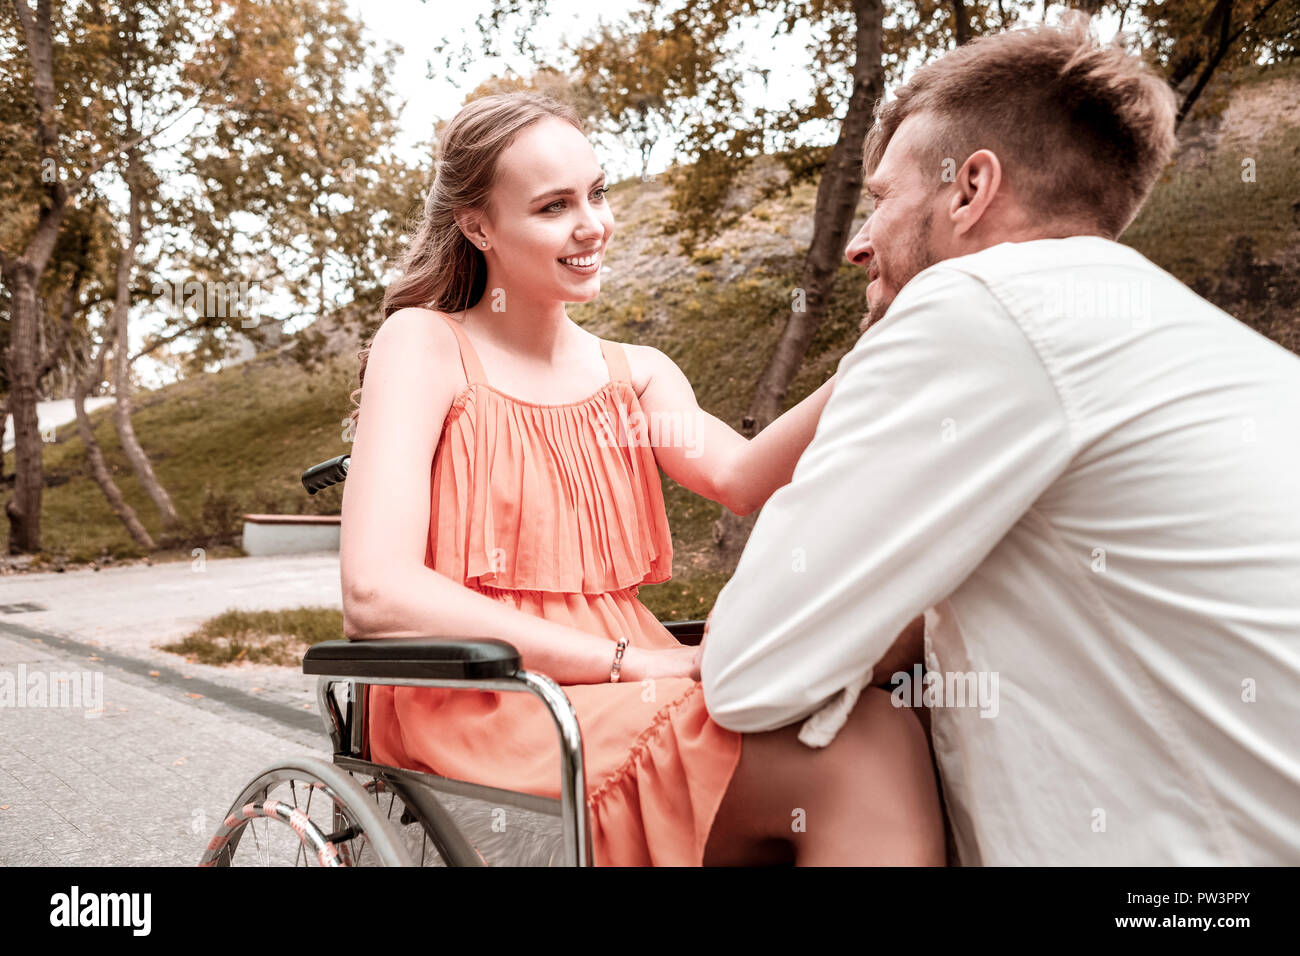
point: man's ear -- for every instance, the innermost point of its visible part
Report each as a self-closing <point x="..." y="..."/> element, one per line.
<point x="978" y="181"/>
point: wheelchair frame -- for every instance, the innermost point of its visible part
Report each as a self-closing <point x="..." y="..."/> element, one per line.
<point x="481" y="664"/>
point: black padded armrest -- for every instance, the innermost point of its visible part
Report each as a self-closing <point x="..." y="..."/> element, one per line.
<point x="413" y="657"/>
<point x="688" y="632"/>
<point x="439" y="658"/>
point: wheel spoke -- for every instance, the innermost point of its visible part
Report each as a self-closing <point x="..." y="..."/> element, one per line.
<point x="361" y="832"/>
<point x="257" y="844"/>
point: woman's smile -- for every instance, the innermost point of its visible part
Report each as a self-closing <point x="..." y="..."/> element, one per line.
<point x="586" y="265"/>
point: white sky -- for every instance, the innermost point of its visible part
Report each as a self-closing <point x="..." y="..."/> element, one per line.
<point x="408" y="23"/>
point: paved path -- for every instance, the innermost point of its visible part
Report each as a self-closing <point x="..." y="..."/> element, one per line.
<point x="144" y="781"/>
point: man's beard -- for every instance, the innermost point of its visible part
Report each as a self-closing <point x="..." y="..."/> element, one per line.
<point x="915" y="258"/>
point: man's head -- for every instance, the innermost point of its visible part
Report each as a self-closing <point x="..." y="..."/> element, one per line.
<point x="1031" y="134"/>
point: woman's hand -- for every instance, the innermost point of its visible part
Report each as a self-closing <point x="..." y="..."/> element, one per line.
<point x="647" y="664"/>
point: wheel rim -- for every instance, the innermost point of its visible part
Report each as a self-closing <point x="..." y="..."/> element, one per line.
<point x="291" y="816"/>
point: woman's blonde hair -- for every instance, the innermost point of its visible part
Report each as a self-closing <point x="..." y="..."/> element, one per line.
<point x="441" y="269"/>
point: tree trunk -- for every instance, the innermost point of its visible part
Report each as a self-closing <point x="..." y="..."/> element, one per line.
<point x="960" y="22"/>
<point x="122" y="360"/>
<point x="23" y="276"/>
<point x="1220" y="20"/>
<point x="1195" y="54"/>
<point x="98" y="468"/>
<point x="838" y="193"/>
<point x="1221" y="47"/>
<point x="24" y="507"/>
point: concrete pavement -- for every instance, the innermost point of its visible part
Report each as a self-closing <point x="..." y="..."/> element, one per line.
<point x="144" y="781"/>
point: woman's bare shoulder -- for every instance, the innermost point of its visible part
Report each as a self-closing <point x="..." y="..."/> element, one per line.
<point x="419" y="331"/>
<point x="416" y="323"/>
<point x="642" y="362"/>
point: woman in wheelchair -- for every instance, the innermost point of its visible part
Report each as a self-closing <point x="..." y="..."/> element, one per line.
<point x="504" y="482"/>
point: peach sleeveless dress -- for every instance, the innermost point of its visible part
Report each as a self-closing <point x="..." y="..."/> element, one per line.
<point x="532" y="508"/>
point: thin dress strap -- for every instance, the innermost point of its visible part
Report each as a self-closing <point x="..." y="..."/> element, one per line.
<point x="616" y="359"/>
<point x="468" y="357"/>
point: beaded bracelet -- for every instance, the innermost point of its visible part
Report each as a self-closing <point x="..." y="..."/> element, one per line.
<point x="618" y="660"/>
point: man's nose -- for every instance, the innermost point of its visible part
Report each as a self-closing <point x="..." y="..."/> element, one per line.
<point x="859" y="251"/>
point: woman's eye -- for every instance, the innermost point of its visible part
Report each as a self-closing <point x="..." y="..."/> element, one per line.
<point x="598" y="195"/>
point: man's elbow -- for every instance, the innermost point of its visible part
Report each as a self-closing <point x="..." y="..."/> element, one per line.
<point x="732" y="708"/>
<point x="742" y="717"/>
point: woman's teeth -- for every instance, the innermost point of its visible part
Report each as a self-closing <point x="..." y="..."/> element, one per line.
<point x="581" y="261"/>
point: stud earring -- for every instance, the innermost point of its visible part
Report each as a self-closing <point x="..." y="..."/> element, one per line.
<point x="484" y="243"/>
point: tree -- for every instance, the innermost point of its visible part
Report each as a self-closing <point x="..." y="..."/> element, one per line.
<point x="1195" y="38"/>
<point x="45" y="96"/>
<point x="644" y="78"/>
<point x="226" y="147"/>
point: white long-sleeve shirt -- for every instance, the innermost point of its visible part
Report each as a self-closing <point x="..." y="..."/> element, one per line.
<point x="1088" y="479"/>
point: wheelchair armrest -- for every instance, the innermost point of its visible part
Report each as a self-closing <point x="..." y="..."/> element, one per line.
<point x="414" y="657"/>
<point x="439" y="658"/>
<point x="687" y="632"/>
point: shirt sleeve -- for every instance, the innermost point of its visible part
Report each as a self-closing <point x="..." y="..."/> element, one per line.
<point x="943" y="429"/>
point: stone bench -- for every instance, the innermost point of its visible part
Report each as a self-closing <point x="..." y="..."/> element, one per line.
<point x="290" y="534"/>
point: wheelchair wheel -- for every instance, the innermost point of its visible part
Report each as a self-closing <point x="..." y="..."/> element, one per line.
<point x="419" y="835"/>
<point x="448" y="830"/>
<point x="305" y="812"/>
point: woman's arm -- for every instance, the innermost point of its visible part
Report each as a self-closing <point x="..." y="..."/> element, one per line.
<point x="708" y="456"/>
<point x="388" y="591"/>
<point x="767" y="461"/>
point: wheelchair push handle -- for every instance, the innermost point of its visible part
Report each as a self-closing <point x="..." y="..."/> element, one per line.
<point x="327" y="473"/>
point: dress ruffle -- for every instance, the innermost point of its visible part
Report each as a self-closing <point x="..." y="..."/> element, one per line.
<point x="638" y="810"/>
<point x="515" y="509"/>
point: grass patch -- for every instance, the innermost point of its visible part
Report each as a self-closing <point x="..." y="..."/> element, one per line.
<point x="688" y="597"/>
<point x="222" y="445"/>
<point x="260" y="637"/>
<point x="1194" y="213"/>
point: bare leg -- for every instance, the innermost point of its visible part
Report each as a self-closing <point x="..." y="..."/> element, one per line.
<point x="870" y="798"/>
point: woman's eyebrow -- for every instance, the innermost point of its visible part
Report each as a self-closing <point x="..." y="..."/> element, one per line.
<point x="566" y="191"/>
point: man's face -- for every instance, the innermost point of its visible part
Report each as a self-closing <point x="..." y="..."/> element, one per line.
<point x="897" y="241"/>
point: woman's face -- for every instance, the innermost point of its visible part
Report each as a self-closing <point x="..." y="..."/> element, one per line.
<point x="548" y="222"/>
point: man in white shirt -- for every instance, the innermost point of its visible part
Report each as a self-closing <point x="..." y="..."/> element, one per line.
<point x="1086" y="477"/>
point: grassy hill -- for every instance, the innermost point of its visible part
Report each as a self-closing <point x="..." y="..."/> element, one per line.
<point x="236" y="441"/>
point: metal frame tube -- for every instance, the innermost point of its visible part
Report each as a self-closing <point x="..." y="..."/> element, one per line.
<point x="573" y="781"/>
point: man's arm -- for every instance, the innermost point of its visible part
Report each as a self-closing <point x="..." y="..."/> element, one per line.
<point x="943" y="429"/>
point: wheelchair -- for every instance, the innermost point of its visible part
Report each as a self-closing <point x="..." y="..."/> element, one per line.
<point x="372" y="814"/>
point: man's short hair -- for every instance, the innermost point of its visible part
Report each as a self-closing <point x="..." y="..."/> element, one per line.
<point x="1082" y="130"/>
